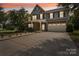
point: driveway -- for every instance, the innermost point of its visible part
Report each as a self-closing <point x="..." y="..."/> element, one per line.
<point x="39" y="44"/>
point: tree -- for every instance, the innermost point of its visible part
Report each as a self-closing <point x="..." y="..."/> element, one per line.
<point x="22" y="19"/>
<point x="66" y="5"/>
<point x="3" y="18"/>
<point x="12" y="19"/>
<point x="76" y="19"/>
<point x="18" y="19"/>
<point x="73" y="7"/>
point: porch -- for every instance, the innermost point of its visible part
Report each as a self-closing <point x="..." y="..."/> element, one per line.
<point x="38" y="25"/>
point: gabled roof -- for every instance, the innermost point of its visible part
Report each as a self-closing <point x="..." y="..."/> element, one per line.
<point x="55" y="10"/>
<point x="37" y="10"/>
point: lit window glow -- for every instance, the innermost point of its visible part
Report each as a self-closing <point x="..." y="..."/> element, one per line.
<point x="51" y="15"/>
<point x="41" y="16"/>
<point x="34" y="17"/>
<point x="61" y="14"/>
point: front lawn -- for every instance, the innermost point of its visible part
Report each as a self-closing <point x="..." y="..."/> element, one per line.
<point x="75" y="37"/>
<point x="7" y="31"/>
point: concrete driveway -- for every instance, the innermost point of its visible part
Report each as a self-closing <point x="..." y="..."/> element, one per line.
<point x="39" y="44"/>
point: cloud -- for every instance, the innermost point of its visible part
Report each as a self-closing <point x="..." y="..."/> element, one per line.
<point x="14" y="5"/>
<point x="27" y="6"/>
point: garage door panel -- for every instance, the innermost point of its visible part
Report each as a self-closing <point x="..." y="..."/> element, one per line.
<point x="57" y="27"/>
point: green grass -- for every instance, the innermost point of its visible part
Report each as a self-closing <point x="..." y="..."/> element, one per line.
<point x="76" y="33"/>
<point x="75" y="37"/>
<point x="7" y="31"/>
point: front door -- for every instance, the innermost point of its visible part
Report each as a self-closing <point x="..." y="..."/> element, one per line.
<point x="36" y="26"/>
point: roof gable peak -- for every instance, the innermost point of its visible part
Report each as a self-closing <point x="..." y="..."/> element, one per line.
<point x="37" y="9"/>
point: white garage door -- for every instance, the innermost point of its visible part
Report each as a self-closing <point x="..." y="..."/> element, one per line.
<point x="57" y="27"/>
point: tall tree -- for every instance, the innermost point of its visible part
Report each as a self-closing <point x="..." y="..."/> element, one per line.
<point x="67" y="5"/>
<point x="12" y="19"/>
<point x="23" y="18"/>
<point x="73" y="7"/>
<point x="18" y="19"/>
<point x="2" y="18"/>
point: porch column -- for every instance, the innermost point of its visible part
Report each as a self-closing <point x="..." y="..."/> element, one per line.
<point x="40" y="26"/>
<point x="46" y="26"/>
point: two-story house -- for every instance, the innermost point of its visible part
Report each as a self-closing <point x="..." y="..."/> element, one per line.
<point x="41" y="18"/>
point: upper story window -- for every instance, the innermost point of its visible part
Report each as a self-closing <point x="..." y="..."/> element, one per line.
<point x="51" y="15"/>
<point x="41" y="16"/>
<point x="34" y="17"/>
<point x="47" y="15"/>
<point x="37" y="8"/>
<point x="56" y="15"/>
<point x="61" y="14"/>
<point x="38" y="16"/>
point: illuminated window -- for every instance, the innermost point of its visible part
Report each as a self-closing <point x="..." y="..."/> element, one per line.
<point x="30" y="25"/>
<point x="37" y="9"/>
<point x="61" y="14"/>
<point x="34" y="17"/>
<point x="51" y="15"/>
<point x="41" y="16"/>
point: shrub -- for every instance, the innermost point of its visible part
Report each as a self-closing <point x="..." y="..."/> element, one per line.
<point x="75" y="21"/>
<point x="9" y="28"/>
<point x="30" y="29"/>
<point x="70" y="27"/>
<point x="76" y="24"/>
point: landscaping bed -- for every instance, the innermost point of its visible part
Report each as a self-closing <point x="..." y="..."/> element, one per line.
<point x="6" y="34"/>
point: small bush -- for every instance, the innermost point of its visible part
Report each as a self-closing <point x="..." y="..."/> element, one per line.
<point x="70" y="27"/>
<point x="8" y="27"/>
<point x="30" y="29"/>
<point x="76" y="24"/>
<point x="75" y="21"/>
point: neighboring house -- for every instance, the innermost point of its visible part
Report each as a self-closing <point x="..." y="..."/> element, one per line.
<point x="39" y="15"/>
